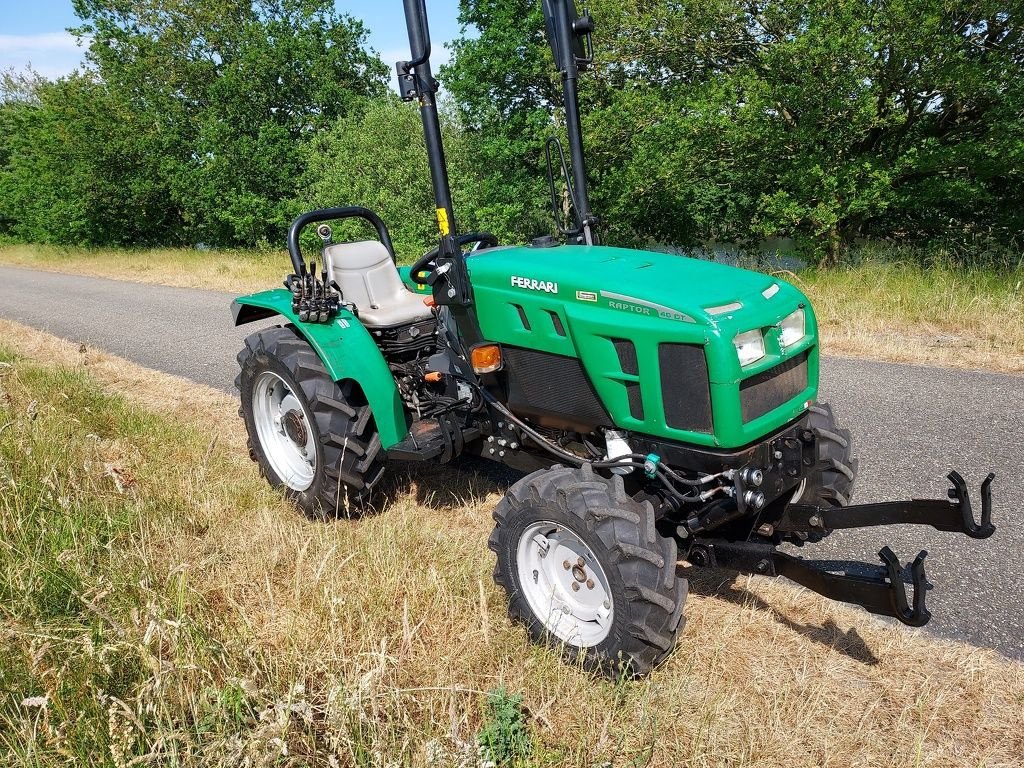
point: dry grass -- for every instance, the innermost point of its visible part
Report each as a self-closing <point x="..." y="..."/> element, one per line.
<point x="941" y="315"/>
<point x="230" y="271"/>
<point x="190" y="617"/>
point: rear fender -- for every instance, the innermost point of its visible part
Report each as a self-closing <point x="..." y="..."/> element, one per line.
<point x="347" y="351"/>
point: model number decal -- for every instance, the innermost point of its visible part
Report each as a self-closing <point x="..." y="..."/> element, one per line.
<point x="534" y="285"/>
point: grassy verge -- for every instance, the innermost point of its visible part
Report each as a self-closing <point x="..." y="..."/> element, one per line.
<point x="898" y="311"/>
<point x="160" y="605"/>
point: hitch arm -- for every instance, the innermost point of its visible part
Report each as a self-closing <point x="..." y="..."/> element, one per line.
<point x="881" y="591"/>
<point x="953" y="514"/>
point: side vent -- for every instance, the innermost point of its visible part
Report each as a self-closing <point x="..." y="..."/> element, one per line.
<point x="685" y="391"/>
<point x="556" y="321"/>
<point x="522" y="316"/>
<point x="636" y="402"/>
<point x="627" y="356"/>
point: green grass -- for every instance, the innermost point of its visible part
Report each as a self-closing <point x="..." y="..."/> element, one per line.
<point x="159" y="605"/>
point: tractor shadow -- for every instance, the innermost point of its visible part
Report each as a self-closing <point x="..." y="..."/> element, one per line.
<point x="468" y="482"/>
<point x="711" y="582"/>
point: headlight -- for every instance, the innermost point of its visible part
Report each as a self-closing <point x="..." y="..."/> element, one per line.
<point x="792" y="328"/>
<point x="749" y="346"/>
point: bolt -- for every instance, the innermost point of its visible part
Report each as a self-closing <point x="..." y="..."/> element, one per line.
<point x="490" y="438"/>
<point x="503" y="442"/>
<point x="575" y="586"/>
<point x="607" y="603"/>
<point x="580" y="562"/>
<point x="501" y="425"/>
<point x="566" y="564"/>
<point x="766" y="530"/>
<point x="491" y="450"/>
<point x="501" y="453"/>
<point x="451" y="293"/>
<point x="778" y="454"/>
<point x="815" y="521"/>
<point x="590" y="583"/>
<point x="566" y="609"/>
<point x="513" y="446"/>
<point x="762" y="566"/>
<point x="536" y="577"/>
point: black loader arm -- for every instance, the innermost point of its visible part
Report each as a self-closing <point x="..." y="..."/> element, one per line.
<point x="880" y="590"/>
<point x="954" y="514"/>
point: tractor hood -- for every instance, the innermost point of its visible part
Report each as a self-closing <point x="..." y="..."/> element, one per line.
<point x="643" y="282"/>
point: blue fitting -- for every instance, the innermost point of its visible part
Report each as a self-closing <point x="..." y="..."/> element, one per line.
<point x="651" y="465"/>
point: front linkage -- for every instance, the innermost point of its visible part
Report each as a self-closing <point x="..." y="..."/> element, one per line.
<point x="880" y="590"/>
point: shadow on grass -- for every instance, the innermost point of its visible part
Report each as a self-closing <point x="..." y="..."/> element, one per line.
<point x="710" y="582"/>
<point x="468" y="481"/>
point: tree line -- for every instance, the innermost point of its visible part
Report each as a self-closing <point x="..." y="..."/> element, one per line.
<point x="828" y="121"/>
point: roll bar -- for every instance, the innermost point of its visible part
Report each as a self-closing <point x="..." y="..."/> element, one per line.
<point x="332" y="214"/>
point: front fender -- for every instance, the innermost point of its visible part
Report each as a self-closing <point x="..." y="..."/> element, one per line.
<point x="347" y="351"/>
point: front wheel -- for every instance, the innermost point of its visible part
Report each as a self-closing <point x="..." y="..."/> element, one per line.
<point x="586" y="570"/>
<point x="311" y="436"/>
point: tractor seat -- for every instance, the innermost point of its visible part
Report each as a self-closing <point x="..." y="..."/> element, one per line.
<point x="369" y="279"/>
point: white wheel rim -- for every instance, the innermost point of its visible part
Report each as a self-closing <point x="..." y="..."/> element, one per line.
<point x="551" y="558"/>
<point x="283" y="427"/>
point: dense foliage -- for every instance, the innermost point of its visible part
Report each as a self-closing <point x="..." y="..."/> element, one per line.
<point x="727" y="120"/>
<point x="733" y="120"/>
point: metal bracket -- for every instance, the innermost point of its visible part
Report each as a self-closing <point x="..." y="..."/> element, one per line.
<point x="954" y="514"/>
<point x="881" y="591"/>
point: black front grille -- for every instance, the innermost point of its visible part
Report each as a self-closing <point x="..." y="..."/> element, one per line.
<point x="770" y="389"/>
<point x="685" y="390"/>
<point x="552" y="386"/>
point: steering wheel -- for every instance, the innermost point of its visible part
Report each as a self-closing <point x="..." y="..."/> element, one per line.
<point x="486" y="240"/>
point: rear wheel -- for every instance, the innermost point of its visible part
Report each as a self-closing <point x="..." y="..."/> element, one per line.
<point x="587" y="571"/>
<point x="312" y="437"/>
<point x="830" y="481"/>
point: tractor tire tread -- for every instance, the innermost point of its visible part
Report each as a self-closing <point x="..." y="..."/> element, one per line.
<point x="635" y="556"/>
<point x="350" y="447"/>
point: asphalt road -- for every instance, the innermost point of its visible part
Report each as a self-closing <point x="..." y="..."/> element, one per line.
<point x="911" y="425"/>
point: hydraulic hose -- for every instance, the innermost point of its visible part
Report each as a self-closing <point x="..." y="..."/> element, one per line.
<point x="664" y="474"/>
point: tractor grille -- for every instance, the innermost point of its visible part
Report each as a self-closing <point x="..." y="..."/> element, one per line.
<point x="550" y="385"/>
<point x="769" y="389"/>
<point x="684" y="387"/>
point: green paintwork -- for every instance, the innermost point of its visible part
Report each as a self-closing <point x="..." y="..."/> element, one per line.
<point x="599" y="294"/>
<point x="602" y="293"/>
<point x="348" y="352"/>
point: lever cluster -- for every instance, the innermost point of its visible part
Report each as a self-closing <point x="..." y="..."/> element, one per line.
<point x="314" y="299"/>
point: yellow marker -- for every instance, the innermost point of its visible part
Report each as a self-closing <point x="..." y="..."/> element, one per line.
<point x="442" y="221"/>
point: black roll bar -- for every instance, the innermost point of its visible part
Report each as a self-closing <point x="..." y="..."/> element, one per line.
<point x="332" y="214"/>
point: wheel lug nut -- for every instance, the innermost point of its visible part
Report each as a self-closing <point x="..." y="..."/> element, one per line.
<point x="575" y="586"/>
<point x="566" y="564"/>
<point x="580" y="562"/>
<point x="590" y="583"/>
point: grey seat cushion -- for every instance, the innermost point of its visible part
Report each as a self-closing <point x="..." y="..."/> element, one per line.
<point x="369" y="279"/>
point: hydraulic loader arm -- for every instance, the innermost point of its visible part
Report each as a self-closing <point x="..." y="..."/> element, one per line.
<point x="880" y="590"/>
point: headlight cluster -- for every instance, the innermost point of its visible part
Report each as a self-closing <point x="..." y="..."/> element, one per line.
<point x="792" y="328"/>
<point x="750" y="345"/>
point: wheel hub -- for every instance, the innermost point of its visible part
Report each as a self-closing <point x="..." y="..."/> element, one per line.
<point x="284" y="430"/>
<point x="564" y="584"/>
<point x="295" y="427"/>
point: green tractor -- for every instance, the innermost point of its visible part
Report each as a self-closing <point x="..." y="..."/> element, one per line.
<point x="663" y="408"/>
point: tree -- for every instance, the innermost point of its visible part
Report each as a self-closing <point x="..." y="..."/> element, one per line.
<point x="377" y="158"/>
<point x="232" y="91"/>
<point x="76" y="167"/>
<point x="826" y="120"/>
